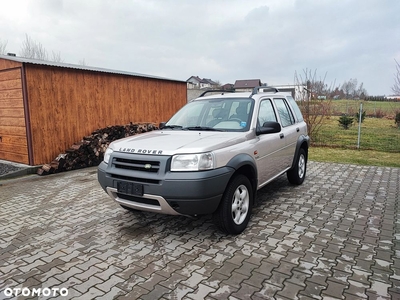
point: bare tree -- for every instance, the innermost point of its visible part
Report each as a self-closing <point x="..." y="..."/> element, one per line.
<point x="314" y="109"/>
<point x="82" y="62"/>
<point x="32" y="49"/>
<point x="35" y="50"/>
<point x="352" y="90"/>
<point x="396" y="86"/>
<point x="218" y="84"/>
<point x="349" y="88"/>
<point x="56" y="57"/>
<point x="361" y="91"/>
<point x="3" y="46"/>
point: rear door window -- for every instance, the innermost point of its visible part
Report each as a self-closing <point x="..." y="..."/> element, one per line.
<point x="285" y="114"/>
<point x="296" y="109"/>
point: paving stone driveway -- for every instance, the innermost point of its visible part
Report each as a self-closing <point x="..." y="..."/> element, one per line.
<point x="335" y="237"/>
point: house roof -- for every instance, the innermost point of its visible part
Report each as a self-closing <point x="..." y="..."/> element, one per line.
<point x="247" y="83"/>
<point x="197" y="78"/>
<point x="79" y="67"/>
<point x="204" y="80"/>
<point x="209" y="81"/>
<point x="227" y="86"/>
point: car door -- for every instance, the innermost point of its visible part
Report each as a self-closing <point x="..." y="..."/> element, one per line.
<point x="290" y="130"/>
<point x="269" y="147"/>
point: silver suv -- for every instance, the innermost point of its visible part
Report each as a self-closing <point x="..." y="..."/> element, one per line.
<point x="211" y="157"/>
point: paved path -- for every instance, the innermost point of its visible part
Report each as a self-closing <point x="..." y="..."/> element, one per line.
<point x="335" y="237"/>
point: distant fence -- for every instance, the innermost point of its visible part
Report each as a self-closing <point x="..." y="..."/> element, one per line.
<point x="380" y="137"/>
<point x="377" y="109"/>
<point x="378" y="131"/>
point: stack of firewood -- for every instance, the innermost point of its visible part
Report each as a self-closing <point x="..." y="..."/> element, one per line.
<point x="90" y="150"/>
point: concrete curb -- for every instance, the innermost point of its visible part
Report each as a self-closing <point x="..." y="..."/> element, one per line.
<point x="19" y="173"/>
<point x="22" y="170"/>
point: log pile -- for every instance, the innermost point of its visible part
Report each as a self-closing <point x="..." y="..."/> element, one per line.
<point x="90" y="150"/>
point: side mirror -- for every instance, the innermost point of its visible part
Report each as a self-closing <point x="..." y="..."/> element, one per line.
<point x="269" y="127"/>
<point x="162" y="125"/>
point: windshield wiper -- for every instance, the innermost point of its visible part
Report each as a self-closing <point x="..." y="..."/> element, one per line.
<point x="172" y="126"/>
<point x="201" y="128"/>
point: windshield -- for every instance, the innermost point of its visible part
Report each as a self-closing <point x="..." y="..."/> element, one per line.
<point x="227" y="114"/>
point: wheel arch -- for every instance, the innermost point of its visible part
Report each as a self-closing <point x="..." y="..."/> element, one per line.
<point x="244" y="164"/>
<point x="302" y="143"/>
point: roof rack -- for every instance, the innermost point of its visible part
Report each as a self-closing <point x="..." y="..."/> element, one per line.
<point x="257" y="88"/>
<point x="214" y="91"/>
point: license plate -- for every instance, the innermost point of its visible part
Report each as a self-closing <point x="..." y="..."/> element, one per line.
<point x="130" y="188"/>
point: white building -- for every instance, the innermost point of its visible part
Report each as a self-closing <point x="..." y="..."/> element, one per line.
<point x="299" y="92"/>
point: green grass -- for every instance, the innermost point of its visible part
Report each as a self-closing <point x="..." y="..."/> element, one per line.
<point x="372" y="108"/>
<point x="380" y="137"/>
<point x="357" y="157"/>
<point x="377" y="134"/>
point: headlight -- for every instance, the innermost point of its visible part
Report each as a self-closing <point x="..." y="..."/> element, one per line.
<point x="192" y="162"/>
<point x="107" y="155"/>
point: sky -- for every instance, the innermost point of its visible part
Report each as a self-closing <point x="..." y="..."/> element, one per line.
<point x="223" y="40"/>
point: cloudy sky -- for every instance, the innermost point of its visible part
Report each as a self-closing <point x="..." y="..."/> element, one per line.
<point x="223" y="40"/>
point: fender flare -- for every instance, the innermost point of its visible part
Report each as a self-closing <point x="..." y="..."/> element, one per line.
<point x="242" y="160"/>
<point x="303" y="139"/>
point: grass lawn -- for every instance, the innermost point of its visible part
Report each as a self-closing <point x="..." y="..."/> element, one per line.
<point x="379" y="141"/>
<point x="357" y="157"/>
<point x="379" y="134"/>
<point x="372" y="108"/>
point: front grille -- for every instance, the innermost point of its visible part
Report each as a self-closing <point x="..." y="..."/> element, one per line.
<point x="137" y="165"/>
<point x="129" y="178"/>
<point x="138" y="199"/>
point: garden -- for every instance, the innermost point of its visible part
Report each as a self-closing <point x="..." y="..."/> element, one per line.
<point x="337" y="136"/>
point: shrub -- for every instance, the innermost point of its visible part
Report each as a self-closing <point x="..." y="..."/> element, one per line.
<point x="351" y="111"/>
<point x="315" y="113"/>
<point x="362" y="116"/>
<point x="345" y="121"/>
<point x="379" y="113"/>
<point x="397" y="119"/>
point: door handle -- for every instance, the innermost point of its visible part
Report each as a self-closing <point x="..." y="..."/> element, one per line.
<point x="281" y="135"/>
<point x="297" y="129"/>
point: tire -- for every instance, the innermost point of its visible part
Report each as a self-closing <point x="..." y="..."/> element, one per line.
<point x="234" y="211"/>
<point x="297" y="174"/>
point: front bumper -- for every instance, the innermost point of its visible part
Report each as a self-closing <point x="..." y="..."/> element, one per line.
<point x="176" y="193"/>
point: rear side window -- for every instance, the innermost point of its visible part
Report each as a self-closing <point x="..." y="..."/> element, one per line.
<point x="296" y="109"/>
<point x="284" y="112"/>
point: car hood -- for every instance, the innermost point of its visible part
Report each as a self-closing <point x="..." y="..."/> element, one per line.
<point x="170" y="142"/>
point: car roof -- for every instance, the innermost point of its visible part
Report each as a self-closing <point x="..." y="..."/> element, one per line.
<point x="226" y="95"/>
<point x="231" y="94"/>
